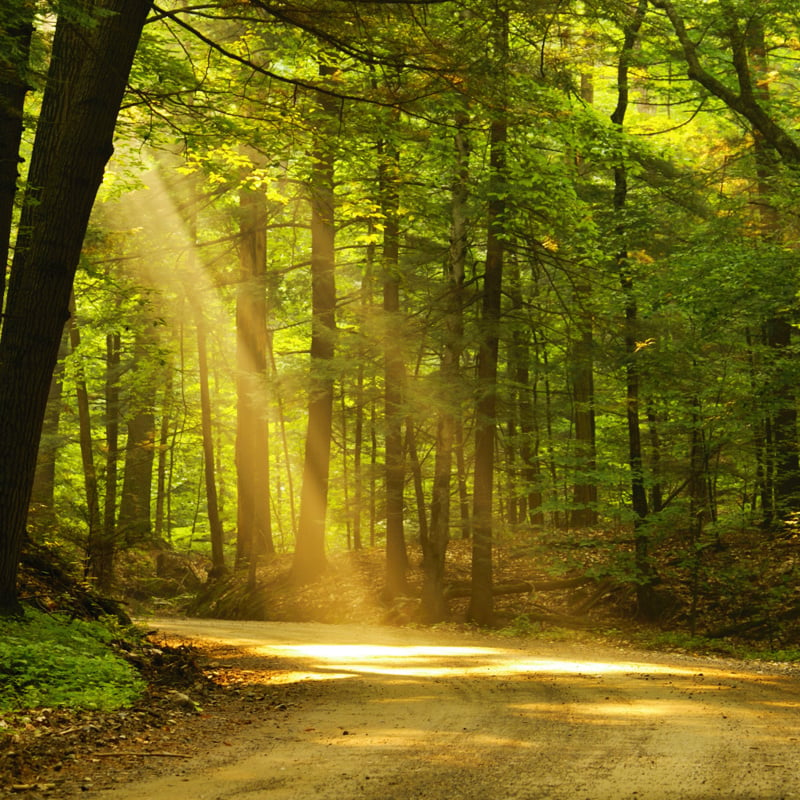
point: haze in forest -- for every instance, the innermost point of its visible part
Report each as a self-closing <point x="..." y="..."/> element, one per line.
<point x="438" y="281"/>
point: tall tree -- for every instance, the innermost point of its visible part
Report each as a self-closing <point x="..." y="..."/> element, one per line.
<point x="309" y="555"/>
<point x="90" y="481"/>
<point x="481" y="607"/>
<point x="252" y="431"/>
<point x="394" y="373"/>
<point x="134" y="520"/>
<point x="645" y="577"/>
<point x="72" y="163"/>
<point x="434" y="545"/>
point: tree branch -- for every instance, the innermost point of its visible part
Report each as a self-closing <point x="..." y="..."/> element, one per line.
<point x="745" y="103"/>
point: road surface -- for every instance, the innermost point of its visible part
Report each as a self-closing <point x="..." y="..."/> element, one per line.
<point x="400" y="714"/>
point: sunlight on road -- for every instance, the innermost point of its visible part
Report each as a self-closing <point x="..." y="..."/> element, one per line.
<point x="331" y="661"/>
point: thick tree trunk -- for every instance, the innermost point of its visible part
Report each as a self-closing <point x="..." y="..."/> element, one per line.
<point x="47" y="255"/>
<point x="254" y="522"/>
<point x="42" y="516"/>
<point x="584" y="490"/>
<point x="134" y="522"/>
<point x="16" y="29"/>
<point x="309" y="554"/>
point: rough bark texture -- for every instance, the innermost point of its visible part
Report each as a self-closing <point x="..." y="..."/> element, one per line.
<point x="16" y="29"/>
<point x="45" y="261"/>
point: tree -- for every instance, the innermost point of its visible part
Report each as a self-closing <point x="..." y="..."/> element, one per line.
<point x="481" y="607"/>
<point x="16" y="30"/>
<point x="394" y="373"/>
<point x="309" y="556"/>
<point x="434" y="545"/>
<point x="252" y="435"/>
<point x="68" y="163"/>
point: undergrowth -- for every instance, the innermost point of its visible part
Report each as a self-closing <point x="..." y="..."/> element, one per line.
<point x="50" y="661"/>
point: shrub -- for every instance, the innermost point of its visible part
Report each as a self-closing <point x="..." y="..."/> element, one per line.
<point x="51" y="660"/>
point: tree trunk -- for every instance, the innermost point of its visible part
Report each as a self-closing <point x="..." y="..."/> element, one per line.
<point x="481" y="607"/>
<point x="698" y="507"/>
<point x="209" y="467"/>
<point x="394" y="376"/>
<point x="645" y="578"/>
<point x="584" y="490"/>
<point x="16" y="29"/>
<point x="105" y="555"/>
<point x="162" y="521"/>
<point x="93" y="558"/>
<point x="358" y="472"/>
<point x="254" y="523"/>
<point x="434" y="544"/>
<point x="134" y="524"/>
<point x="309" y="554"/>
<point x="42" y="517"/>
<point x="47" y="254"/>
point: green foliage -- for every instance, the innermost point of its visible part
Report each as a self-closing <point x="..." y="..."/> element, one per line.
<point x="49" y="660"/>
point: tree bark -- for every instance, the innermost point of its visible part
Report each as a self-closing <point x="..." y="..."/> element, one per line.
<point x="644" y="585"/>
<point x="394" y="375"/>
<point x="16" y="30"/>
<point x="434" y="544"/>
<point x="254" y="523"/>
<point x="309" y="555"/>
<point x="95" y="533"/>
<point x="105" y="551"/>
<point x="162" y="523"/>
<point x="481" y="607"/>
<point x="209" y="464"/>
<point x="42" y="515"/>
<point x="47" y="255"/>
<point x="134" y="523"/>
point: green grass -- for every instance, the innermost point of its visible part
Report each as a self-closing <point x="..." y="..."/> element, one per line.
<point x="49" y="661"/>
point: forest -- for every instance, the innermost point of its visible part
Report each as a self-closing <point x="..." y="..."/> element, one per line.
<point x="296" y="278"/>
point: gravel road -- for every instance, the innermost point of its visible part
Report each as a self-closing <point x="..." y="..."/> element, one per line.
<point x="398" y="714"/>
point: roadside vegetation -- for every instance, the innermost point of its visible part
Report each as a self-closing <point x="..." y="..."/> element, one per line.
<point x="50" y="660"/>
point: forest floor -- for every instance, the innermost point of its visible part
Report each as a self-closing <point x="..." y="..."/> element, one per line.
<point x="248" y="709"/>
<point x="342" y="711"/>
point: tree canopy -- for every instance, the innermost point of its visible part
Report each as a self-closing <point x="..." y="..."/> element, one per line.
<point x="379" y="274"/>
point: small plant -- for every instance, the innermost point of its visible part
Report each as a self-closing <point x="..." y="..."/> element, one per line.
<point x="50" y="660"/>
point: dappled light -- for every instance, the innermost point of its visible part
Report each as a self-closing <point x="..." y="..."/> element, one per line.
<point x="421" y="661"/>
<point x="395" y="713"/>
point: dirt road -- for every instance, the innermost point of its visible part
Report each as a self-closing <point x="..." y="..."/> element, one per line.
<point x="399" y="714"/>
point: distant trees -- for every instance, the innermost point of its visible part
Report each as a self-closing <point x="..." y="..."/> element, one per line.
<point x="492" y="265"/>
